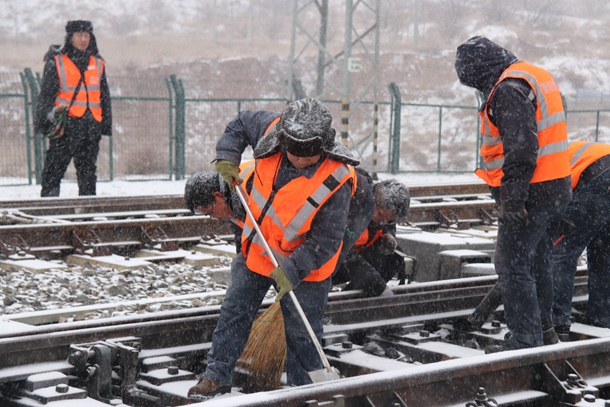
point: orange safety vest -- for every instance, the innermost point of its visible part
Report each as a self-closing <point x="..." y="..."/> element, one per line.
<point x="553" y="162"/>
<point x="246" y="169"/>
<point x="363" y="241"/>
<point x="289" y="217"/>
<point x="583" y="154"/>
<point x="89" y="94"/>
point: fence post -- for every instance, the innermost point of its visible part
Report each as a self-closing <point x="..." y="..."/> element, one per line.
<point x="39" y="142"/>
<point x="180" y="106"/>
<point x="395" y="115"/>
<point x="171" y="126"/>
<point x="440" y="133"/>
<point x="597" y="127"/>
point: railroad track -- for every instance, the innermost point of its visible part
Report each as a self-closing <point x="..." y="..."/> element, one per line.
<point x="393" y="351"/>
<point x="419" y="359"/>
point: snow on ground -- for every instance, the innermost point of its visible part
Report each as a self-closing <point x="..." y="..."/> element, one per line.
<point x="137" y="188"/>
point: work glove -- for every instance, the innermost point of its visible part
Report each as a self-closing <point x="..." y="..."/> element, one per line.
<point x="282" y="282"/>
<point x="387" y="244"/>
<point x="229" y="171"/>
<point x="513" y="218"/>
<point x="56" y="130"/>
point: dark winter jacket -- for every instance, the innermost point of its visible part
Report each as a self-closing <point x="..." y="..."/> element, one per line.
<point x="328" y="225"/>
<point x="50" y="86"/>
<point x="370" y="270"/>
<point x="479" y="64"/>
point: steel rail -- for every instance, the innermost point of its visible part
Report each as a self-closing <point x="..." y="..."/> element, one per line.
<point x="520" y="378"/>
<point x="45" y="237"/>
<point x="36" y="238"/>
<point x="96" y="204"/>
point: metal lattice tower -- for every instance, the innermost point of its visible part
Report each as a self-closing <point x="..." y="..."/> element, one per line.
<point x="347" y="70"/>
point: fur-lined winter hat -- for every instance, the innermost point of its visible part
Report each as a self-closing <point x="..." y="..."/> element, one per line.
<point x="304" y="130"/>
<point x="305" y="127"/>
<point x="79" y="26"/>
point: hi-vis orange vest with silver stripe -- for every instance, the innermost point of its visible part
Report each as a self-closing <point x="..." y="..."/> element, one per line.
<point x="363" y="241"/>
<point x="583" y="154"/>
<point x="552" y="162"/>
<point x="289" y="217"/>
<point x="89" y="93"/>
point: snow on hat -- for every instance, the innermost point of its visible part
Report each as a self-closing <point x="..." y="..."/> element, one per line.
<point x="305" y="127"/>
<point x="77" y="26"/>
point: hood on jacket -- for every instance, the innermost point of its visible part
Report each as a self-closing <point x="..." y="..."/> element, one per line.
<point x="479" y="63"/>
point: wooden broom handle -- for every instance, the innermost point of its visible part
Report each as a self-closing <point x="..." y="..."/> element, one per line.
<point x="291" y="293"/>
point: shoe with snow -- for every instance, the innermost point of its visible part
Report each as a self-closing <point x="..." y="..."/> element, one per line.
<point x="206" y="389"/>
<point x="498" y="348"/>
<point x="549" y="337"/>
<point x="563" y="332"/>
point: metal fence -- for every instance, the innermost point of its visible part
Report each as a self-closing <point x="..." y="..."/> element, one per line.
<point x="161" y="133"/>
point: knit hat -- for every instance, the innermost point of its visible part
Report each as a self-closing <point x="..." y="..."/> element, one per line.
<point x="78" y="26"/>
<point x="305" y="128"/>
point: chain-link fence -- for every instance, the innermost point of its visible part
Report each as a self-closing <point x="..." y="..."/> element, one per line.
<point x="163" y="131"/>
<point x="15" y="156"/>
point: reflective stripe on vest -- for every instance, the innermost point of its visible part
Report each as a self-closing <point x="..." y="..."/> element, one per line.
<point x="582" y="155"/>
<point x="323" y="192"/>
<point x="289" y="215"/>
<point x="89" y="94"/>
<point x="552" y="162"/>
<point x="552" y="148"/>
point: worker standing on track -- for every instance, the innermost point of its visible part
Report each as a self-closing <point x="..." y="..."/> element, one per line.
<point x="527" y="167"/>
<point x="586" y="225"/>
<point x="74" y="79"/>
<point x="299" y="191"/>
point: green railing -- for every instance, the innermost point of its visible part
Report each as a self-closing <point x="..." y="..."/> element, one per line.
<point x="159" y="132"/>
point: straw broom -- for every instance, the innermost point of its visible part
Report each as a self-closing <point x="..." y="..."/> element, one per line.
<point x="265" y="352"/>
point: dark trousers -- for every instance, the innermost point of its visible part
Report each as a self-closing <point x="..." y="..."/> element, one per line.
<point x="523" y="263"/>
<point x="81" y="142"/>
<point x="589" y="212"/>
<point x="369" y="271"/>
<point x="237" y="314"/>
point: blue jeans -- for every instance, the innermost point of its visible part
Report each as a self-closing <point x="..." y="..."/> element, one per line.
<point x="523" y="263"/>
<point x="237" y="314"/>
<point x="589" y="212"/>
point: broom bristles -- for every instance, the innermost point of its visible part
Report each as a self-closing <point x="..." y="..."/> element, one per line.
<point x="265" y="352"/>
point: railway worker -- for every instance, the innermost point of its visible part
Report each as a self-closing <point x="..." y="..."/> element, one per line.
<point x="368" y="266"/>
<point x="208" y="194"/>
<point x="586" y="225"/>
<point x="299" y="182"/>
<point x="372" y="262"/>
<point x="73" y="82"/>
<point x="527" y="167"/>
